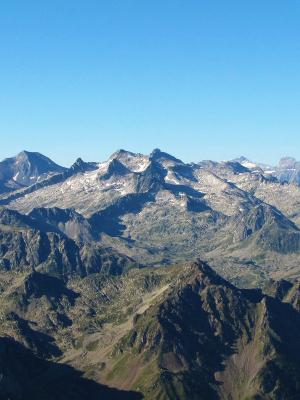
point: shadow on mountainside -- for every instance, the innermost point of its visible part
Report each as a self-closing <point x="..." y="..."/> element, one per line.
<point x="109" y="220"/>
<point x="24" y="376"/>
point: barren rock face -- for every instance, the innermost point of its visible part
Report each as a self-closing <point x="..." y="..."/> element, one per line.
<point x="158" y="210"/>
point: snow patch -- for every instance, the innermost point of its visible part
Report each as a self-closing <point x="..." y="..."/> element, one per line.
<point x="249" y="164"/>
<point x="16" y="176"/>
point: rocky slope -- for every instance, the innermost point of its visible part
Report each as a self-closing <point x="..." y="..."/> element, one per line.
<point x="79" y="306"/>
<point x="29" y="244"/>
<point x="205" y="339"/>
<point x="166" y="333"/>
<point x="158" y="210"/>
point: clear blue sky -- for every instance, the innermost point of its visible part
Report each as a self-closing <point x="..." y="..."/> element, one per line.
<point x="199" y="79"/>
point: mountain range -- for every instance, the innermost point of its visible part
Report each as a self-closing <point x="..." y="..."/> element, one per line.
<point x="156" y="209"/>
<point x="287" y="170"/>
<point x="146" y="277"/>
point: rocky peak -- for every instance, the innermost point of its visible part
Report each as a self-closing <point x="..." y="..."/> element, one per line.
<point x="203" y="272"/>
<point x="241" y="159"/>
<point x="115" y="169"/>
<point x="152" y="178"/>
<point x="158" y="155"/>
<point x="122" y="155"/>
<point x="82" y="166"/>
<point x="26" y="168"/>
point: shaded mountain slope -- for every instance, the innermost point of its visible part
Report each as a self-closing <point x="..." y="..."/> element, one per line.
<point x="24" y="376"/>
<point x="28" y="243"/>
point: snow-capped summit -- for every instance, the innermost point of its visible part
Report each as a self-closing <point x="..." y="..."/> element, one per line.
<point x="245" y="162"/>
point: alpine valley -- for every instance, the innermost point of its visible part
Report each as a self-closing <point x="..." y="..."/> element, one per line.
<point x="144" y="277"/>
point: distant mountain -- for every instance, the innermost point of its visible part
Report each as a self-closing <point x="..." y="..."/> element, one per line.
<point x="157" y="209"/>
<point x="245" y="162"/>
<point x="287" y="170"/>
<point x="25" y="169"/>
<point x="164" y="158"/>
<point x="82" y="166"/>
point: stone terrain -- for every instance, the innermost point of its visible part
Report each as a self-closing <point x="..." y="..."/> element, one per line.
<point x="104" y="295"/>
<point x="158" y="210"/>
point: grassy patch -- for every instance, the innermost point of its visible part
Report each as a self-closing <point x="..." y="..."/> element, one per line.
<point x="92" y="346"/>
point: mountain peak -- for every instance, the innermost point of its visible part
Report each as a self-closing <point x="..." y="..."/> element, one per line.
<point x="241" y="159"/>
<point x="245" y="162"/>
<point x="82" y="166"/>
<point x="35" y="157"/>
<point x="158" y="155"/>
<point x="204" y="274"/>
<point x="23" y="153"/>
<point x="121" y="153"/>
<point x="115" y="168"/>
<point x="25" y="169"/>
<point x="28" y="153"/>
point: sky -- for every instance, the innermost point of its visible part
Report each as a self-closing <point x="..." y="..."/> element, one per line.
<point x="199" y="79"/>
